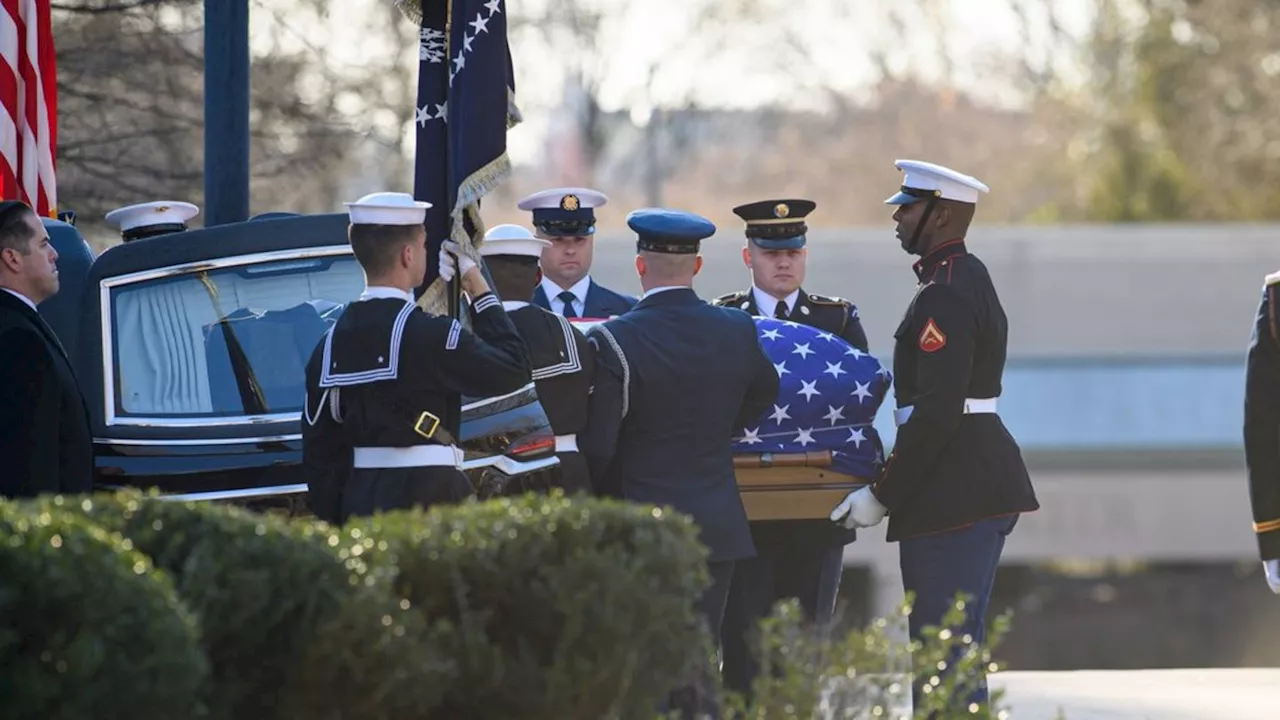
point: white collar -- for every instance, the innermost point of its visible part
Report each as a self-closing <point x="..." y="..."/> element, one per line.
<point x="383" y="292"/>
<point x="768" y="304"/>
<point x="510" y="305"/>
<point x="21" y="297"/>
<point x="664" y="288"/>
<point x="579" y="289"/>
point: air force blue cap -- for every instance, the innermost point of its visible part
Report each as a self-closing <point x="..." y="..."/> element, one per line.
<point x="669" y="231"/>
<point x="776" y="224"/>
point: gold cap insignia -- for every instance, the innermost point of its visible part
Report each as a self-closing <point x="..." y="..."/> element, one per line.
<point x="569" y="202"/>
<point x="781" y="210"/>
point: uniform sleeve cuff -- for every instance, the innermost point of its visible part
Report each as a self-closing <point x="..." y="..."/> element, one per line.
<point x="484" y="302"/>
<point x="1268" y="542"/>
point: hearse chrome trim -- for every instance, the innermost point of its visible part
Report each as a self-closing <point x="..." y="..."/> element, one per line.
<point x="510" y="466"/>
<point x="207" y="441"/>
<point x="239" y="494"/>
<point x="106" y="285"/>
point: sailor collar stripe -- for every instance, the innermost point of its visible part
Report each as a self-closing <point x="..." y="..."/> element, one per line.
<point x="572" y="365"/>
<point x="328" y="378"/>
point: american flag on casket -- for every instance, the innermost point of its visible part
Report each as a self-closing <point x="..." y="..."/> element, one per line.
<point x="828" y="396"/>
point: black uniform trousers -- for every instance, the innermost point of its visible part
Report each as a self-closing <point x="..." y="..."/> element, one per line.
<point x="698" y="699"/>
<point x="793" y="560"/>
<point x="371" y="490"/>
<point x="575" y="475"/>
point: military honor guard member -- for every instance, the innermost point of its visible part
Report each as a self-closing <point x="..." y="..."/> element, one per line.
<point x="955" y="483"/>
<point x="562" y="361"/>
<point x="1262" y="428"/>
<point x="799" y="559"/>
<point x="676" y="378"/>
<point x="44" y="424"/>
<point x="381" y="381"/>
<point x="149" y="219"/>
<point x="566" y="217"/>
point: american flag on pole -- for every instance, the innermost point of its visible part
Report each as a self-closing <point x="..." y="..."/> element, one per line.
<point x="828" y="396"/>
<point x="29" y="95"/>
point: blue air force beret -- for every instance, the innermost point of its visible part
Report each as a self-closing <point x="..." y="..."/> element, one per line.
<point x="776" y="224"/>
<point x="669" y="231"/>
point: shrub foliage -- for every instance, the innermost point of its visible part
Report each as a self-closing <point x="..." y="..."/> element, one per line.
<point x="90" y="628"/>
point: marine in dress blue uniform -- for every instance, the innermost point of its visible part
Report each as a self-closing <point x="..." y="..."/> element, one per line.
<point x="676" y="378"/>
<point x="562" y="361"/>
<point x="800" y="559"/>
<point x="955" y="483"/>
<point x="1262" y="428"/>
<point x="384" y="382"/>
<point x="566" y="217"/>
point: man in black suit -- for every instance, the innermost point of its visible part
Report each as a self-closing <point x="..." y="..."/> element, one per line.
<point x="44" y="425"/>
<point x="801" y="559"/>
<point x="676" y="378"/>
<point x="560" y="358"/>
<point x="566" y="217"/>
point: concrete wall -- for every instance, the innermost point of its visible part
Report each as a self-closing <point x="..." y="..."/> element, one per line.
<point x="1068" y="290"/>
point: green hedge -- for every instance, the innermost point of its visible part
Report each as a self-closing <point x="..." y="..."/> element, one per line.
<point x="90" y="628"/>
<point x="284" y="626"/>
<point x="552" y="608"/>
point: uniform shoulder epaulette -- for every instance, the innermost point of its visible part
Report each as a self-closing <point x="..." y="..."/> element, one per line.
<point x="1273" y="278"/>
<point x="828" y="300"/>
<point x="729" y="298"/>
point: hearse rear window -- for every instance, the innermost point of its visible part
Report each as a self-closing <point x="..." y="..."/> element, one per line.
<point x="225" y="342"/>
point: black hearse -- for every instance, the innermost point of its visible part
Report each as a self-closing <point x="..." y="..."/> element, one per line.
<point x="190" y="349"/>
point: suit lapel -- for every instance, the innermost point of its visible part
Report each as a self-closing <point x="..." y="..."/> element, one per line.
<point x="540" y="298"/>
<point x="36" y="319"/>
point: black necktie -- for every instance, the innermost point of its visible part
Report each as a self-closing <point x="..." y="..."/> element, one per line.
<point x="780" y="310"/>
<point x="567" y="298"/>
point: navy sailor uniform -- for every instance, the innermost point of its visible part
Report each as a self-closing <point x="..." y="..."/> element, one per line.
<point x="382" y="391"/>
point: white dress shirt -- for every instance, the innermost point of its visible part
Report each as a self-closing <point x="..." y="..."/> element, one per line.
<point x="664" y="288"/>
<point x="768" y="304"/>
<point x="21" y="297"/>
<point x="579" y="290"/>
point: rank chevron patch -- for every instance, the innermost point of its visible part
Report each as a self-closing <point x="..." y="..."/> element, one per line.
<point x="932" y="339"/>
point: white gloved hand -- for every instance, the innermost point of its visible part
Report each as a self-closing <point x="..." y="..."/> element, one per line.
<point x="859" y="509"/>
<point x="448" y="250"/>
<point x="1272" y="570"/>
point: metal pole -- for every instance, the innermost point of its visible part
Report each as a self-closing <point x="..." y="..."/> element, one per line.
<point x="226" y="111"/>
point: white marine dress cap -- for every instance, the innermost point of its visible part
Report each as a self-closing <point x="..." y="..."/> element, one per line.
<point x="924" y="180"/>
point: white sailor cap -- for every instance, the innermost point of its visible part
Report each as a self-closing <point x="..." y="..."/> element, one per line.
<point x="564" y="211"/>
<point x="151" y="218"/>
<point x="387" y="208"/>
<point x="511" y="239"/>
<point x="924" y="180"/>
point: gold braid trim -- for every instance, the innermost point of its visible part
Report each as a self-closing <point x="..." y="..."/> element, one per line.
<point x="1266" y="527"/>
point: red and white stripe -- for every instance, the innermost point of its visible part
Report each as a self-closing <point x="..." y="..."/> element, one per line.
<point x="29" y="96"/>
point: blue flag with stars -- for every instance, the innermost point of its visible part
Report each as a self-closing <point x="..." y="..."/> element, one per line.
<point x="828" y="396"/>
<point x="465" y="105"/>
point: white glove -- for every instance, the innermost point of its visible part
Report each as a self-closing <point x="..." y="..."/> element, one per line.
<point x="1272" y="569"/>
<point x="448" y="250"/>
<point x="860" y="509"/>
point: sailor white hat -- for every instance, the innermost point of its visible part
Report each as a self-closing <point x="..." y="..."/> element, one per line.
<point x="387" y="208"/>
<point x="509" y="239"/>
<point x="159" y="212"/>
<point x="923" y="180"/>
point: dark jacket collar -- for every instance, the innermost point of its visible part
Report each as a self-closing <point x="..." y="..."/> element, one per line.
<point x="678" y="296"/>
<point x="927" y="265"/>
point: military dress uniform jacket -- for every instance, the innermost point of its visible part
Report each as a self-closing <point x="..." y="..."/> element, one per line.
<point x="835" y="315"/>
<point x="601" y="302"/>
<point x="386" y="377"/>
<point x="954" y="462"/>
<point x="44" y="424"/>
<point x="1262" y="420"/>
<point x="563" y="369"/>
<point x="676" y="378"/>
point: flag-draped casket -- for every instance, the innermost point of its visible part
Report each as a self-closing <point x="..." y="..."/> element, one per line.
<point x="817" y="442"/>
